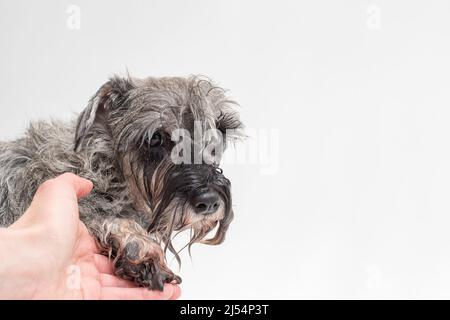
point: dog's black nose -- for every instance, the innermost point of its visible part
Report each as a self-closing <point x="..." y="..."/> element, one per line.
<point x="206" y="202"/>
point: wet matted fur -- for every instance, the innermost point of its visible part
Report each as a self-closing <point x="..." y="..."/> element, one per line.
<point x="123" y="143"/>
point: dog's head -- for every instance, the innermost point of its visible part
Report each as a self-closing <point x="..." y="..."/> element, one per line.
<point x="167" y="136"/>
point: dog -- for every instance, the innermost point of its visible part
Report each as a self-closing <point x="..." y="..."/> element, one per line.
<point x="146" y="186"/>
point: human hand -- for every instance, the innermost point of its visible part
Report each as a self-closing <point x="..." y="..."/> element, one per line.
<point x="49" y="254"/>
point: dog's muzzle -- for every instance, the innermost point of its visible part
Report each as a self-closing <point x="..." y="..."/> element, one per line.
<point x="205" y="201"/>
<point x="203" y="186"/>
<point x="195" y="196"/>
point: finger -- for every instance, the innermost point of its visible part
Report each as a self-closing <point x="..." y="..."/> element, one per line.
<point x="108" y="280"/>
<point x="103" y="264"/>
<point x="55" y="204"/>
<point x="55" y="208"/>
<point x="176" y="292"/>
<point x="138" y="293"/>
<point x="81" y="186"/>
<point x="67" y="185"/>
<point x="60" y="195"/>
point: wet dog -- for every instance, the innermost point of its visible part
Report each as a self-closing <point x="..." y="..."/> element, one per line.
<point x="152" y="149"/>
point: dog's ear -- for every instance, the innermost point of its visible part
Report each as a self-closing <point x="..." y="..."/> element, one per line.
<point x="109" y="96"/>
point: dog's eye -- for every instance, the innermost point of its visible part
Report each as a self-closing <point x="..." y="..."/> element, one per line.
<point x="156" y="140"/>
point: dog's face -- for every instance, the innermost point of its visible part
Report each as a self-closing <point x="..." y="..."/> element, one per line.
<point x="167" y="136"/>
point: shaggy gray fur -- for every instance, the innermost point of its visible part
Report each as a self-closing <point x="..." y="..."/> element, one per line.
<point x="105" y="146"/>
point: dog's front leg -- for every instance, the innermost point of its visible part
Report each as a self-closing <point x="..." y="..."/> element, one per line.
<point x="136" y="256"/>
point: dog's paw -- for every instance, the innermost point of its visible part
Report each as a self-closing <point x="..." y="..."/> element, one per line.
<point x="145" y="266"/>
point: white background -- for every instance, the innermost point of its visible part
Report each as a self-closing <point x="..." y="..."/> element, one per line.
<point x="358" y="92"/>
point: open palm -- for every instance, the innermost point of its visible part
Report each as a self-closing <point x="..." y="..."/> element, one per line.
<point x="91" y="276"/>
<point x="65" y="261"/>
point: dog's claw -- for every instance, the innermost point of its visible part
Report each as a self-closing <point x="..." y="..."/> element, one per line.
<point x="157" y="283"/>
<point x="150" y="272"/>
<point x="157" y="280"/>
<point x="177" y="279"/>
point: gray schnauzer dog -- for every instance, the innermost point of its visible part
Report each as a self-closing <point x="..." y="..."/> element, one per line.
<point x="124" y="143"/>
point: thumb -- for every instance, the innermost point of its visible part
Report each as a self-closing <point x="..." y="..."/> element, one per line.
<point x="55" y="203"/>
<point x="66" y="185"/>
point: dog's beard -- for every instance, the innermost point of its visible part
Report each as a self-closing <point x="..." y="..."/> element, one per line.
<point x="165" y="194"/>
<point x="179" y="216"/>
